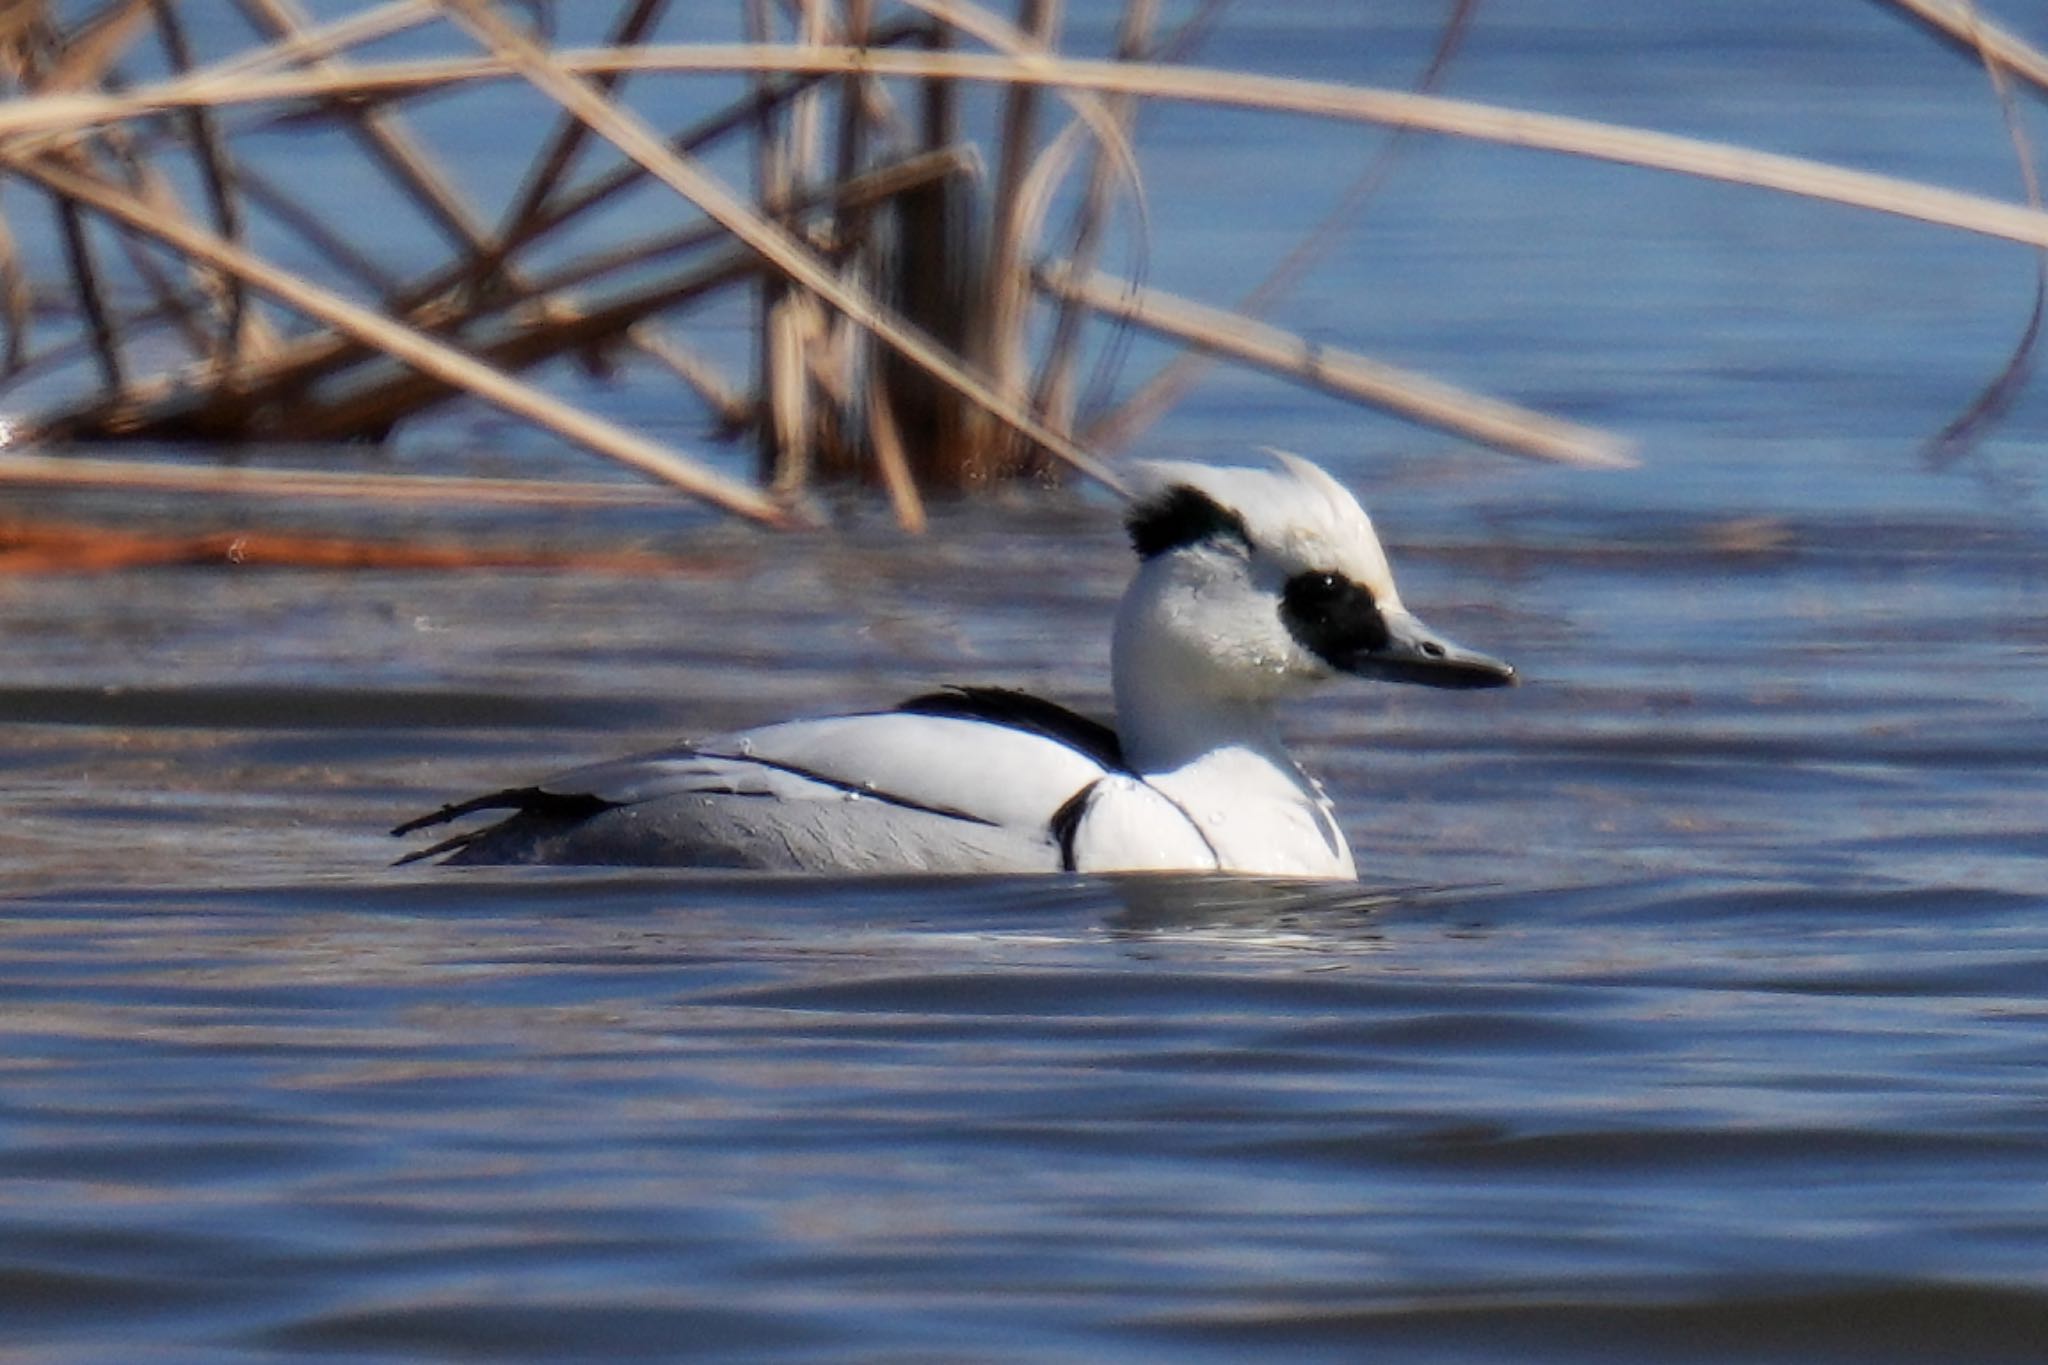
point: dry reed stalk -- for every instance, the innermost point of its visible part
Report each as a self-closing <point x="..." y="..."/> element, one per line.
<point x="325" y="40"/>
<point x="1008" y="40"/>
<point x="85" y="472"/>
<point x="1413" y="396"/>
<point x="1797" y="176"/>
<point x="538" y="332"/>
<point x="570" y="137"/>
<point x="1995" y="400"/>
<point x="776" y="244"/>
<point x="1165" y="388"/>
<point x="992" y="291"/>
<point x="819" y="387"/>
<point x="217" y="175"/>
<point x="42" y="548"/>
<point x="892" y="461"/>
<point x="15" y="300"/>
<point x="732" y="408"/>
<point x="862" y="105"/>
<point x="1960" y="24"/>
<point x="85" y="274"/>
<point x="1008" y="285"/>
<point x="93" y="50"/>
<point x="415" y="349"/>
<point x="271" y="398"/>
<point x="1055" y="388"/>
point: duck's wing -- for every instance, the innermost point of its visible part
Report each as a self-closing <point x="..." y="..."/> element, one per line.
<point x="942" y="783"/>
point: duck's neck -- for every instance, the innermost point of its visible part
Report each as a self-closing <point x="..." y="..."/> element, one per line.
<point x="1166" y="728"/>
<point x="1177" y="699"/>
<point x="1219" y="758"/>
<point x="1221" y="762"/>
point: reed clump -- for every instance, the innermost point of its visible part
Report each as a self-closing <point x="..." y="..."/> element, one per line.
<point x="921" y="318"/>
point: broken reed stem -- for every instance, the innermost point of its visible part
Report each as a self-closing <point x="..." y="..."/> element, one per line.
<point x="15" y="299"/>
<point x="1413" y="396"/>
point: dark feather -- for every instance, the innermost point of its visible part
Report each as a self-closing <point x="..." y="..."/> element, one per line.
<point x="1065" y="825"/>
<point x="522" y="800"/>
<point x="1182" y="516"/>
<point x="1021" y="711"/>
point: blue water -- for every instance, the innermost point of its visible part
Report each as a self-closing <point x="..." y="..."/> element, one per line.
<point x="1691" y="1007"/>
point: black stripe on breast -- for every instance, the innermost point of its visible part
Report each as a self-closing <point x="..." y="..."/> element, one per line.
<point x="1065" y="824"/>
<point x="1021" y="711"/>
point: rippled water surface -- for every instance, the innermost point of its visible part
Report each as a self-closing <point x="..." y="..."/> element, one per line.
<point x="1693" y="1005"/>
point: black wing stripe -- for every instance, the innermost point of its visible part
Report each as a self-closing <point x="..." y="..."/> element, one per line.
<point x="1021" y="711"/>
<point x="887" y="798"/>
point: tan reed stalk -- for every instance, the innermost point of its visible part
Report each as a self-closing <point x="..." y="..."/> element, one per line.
<point x="536" y="334"/>
<point x="988" y="27"/>
<point x="1588" y="138"/>
<point x="421" y="352"/>
<point x="93" y="50"/>
<point x="1158" y="394"/>
<point x="566" y="143"/>
<point x="861" y="103"/>
<point x="326" y="40"/>
<point x="1996" y="398"/>
<point x="1416" y="397"/>
<point x="15" y="300"/>
<point x="775" y="243"/>
<point x="217" y="175"/>
<point x="1962" y="25"/>
<point x="1038" y="25"/>
<point x="1056" y="384"/>
<point x="75" y="471"/>
<point x="729" y="405"/>
<point x="275" y="388"/>
<point x="383" y="137"/>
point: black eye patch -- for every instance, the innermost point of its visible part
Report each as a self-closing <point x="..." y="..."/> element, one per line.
<point x="1184" y="516"/>
<point x="1332" y="616"/>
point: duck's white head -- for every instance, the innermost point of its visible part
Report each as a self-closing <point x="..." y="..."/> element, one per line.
<point x="1255" y="583"/>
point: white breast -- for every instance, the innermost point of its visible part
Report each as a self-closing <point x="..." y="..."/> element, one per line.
<point x="1260" y="814"/>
